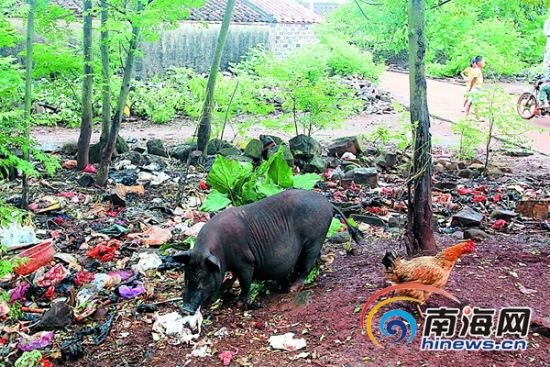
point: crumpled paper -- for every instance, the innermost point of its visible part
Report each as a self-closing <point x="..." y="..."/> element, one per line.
<point x="178" y="329"/>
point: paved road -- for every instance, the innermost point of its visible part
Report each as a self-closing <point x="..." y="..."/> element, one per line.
<point x="445" y="101"/>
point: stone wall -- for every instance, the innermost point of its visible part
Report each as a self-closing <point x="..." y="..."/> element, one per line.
<point x="192" y="44"/>
<point x="285" y="37"/>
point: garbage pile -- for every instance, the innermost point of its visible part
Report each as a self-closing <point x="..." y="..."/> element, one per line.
<point x="96" y="257"/>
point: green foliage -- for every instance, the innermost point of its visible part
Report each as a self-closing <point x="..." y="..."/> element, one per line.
<point x="238" y="183"/>
<point x="335" y="227"/>
<point x="10" y="214"/>
<point x="508" y="33"/>
<point x="498" y="118"/>
<point x="470" y="138"/>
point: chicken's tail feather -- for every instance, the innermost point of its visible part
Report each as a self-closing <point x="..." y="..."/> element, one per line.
<point x="389" y="260"/>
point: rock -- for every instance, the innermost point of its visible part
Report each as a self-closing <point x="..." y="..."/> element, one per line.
<point x="503" y="214"/>
<point x="439" y="168"/>
<point x="195" y="158"/>
<point x="386" y="160"/>
<point x="518" y="153"/>
<point x="475" y="234"/>
<point x="477" y="166"/>
<point x="240" y="158"/>
<point x="459" y="235"/>
<point x="276" y="139"/>
<point x="343" y="145"/>
<point x="254" y="149"/>
<point x="494" y="171"/>
<point x="86" y="181"/>
<point x="369" y="219"/>
<point x="120" y="148"/>
<point x="398" y="221"/>
<point x="156" y="147"/>
<point x="57" y="317"/>
<point x="452" y="166"/>
<point x="466" y="217"/>
<point x="445" y="185"/>
<point x="340" y="237"/>
<point x="182" y="151"/>
<point x="70" y="148"/>
<point x="537" y="209"/>
<point x="233" y="151"/>
<point x="316" y="165"/>
<point x="140" y="150"/>
<point x="304" y="147"/>
<point x="215" y="145"/>
<point x="134" y="157"/>
<point x="287" y="154"/>
<point x="364" y="175"/>
<point x="466" y="173"/>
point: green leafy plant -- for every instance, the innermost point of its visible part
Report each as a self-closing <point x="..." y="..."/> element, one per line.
<point x="238" y="183"/>
<point x="497" y="118"/>
<point x="470" y="138"/>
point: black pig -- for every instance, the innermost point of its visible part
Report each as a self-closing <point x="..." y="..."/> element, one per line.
<point x="270" y="239"/>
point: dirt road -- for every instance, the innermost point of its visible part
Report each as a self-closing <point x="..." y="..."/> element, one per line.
<point x="445" y="100"/>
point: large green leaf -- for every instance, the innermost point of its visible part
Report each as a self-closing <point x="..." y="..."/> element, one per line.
<point x="335" y="227"/>
<point x="226" y="173"/>
<point x="279" y="172"/>
<point x="215" y="201"/>
<point x="266" y="188"/>
<point x="306" y="182"/>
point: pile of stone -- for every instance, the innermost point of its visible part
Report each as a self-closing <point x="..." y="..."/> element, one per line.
<point x="376" y="101"/>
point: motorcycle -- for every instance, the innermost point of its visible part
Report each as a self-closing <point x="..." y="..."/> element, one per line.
<point x="528" y="105"/>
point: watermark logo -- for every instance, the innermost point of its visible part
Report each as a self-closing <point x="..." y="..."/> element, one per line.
<point x="396" y="323"/>
<point x="447" y="328"/>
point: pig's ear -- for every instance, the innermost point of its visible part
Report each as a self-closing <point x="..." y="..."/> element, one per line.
<point x="214" y="263"/>
<point x="182" y="257"/>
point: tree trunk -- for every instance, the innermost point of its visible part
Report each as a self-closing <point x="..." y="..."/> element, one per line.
<point x="108" y="149"/>
<point x="205" y="124"/>
<point x="419" y="235"/>
<point x="86" y="121"/>
<point x="105" y="74"/>
<point x="28" y="99"/>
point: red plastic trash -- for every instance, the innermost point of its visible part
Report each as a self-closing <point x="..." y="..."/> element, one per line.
<point x="37" y="256"/>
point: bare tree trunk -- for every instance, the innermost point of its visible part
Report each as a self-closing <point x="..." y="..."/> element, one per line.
<point x="419" y="235"/>
<point x="28" y="98"/>
<point x="105" y="74"/>
<point x="205" y="124"/>
<point x="83" y="154"/>
<point x="108" y="149"/>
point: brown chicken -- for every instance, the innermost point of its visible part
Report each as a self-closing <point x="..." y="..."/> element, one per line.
<point x="431" y="270"/>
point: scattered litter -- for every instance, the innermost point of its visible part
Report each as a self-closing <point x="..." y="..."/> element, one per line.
<point x="131" y="292"/>
<point x="36" y="341"/>
<point x="226" y="356"/>
<point x="177" y="328"/>
<point x="287" y="342"/>
<point x="153" y="236"/>
<point x="16" y="236"/>
<point x="147" y="261"/>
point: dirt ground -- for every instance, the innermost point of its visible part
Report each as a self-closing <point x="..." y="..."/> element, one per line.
<point x="324" y="315"/>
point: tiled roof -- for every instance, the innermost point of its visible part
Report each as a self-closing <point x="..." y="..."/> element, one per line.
<point x="245" y="11"/>
<point x="287" y="11"/>
<point x="213" y="10"/>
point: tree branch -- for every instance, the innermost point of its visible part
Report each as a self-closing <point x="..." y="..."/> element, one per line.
<point x="361" y="9"/>
<point x="440" y="4"/>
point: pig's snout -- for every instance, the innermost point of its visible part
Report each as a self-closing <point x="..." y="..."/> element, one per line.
<point x="188" y="308"/>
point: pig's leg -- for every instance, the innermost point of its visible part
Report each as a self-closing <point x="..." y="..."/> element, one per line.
<point x="306" y="262"/>
<point x="245" y="280"/>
